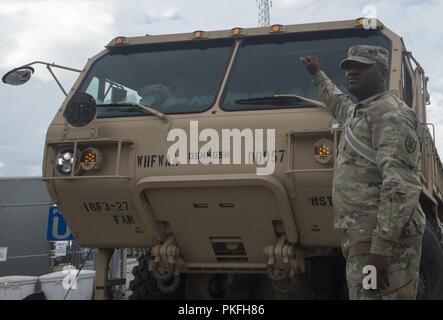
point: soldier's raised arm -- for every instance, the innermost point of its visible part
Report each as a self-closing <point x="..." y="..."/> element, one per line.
<point x="339" y="105"/>
<point x="397" y="144"/>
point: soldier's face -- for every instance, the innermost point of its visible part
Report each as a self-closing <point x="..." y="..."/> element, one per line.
<point x="363" y="79"/>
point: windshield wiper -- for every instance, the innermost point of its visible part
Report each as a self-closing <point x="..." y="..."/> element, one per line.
<point x="139" y="106"/>
<point x="281" y="99"/>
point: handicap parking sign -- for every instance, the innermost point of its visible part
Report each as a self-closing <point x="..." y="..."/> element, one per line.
<point x="58" y="230"/>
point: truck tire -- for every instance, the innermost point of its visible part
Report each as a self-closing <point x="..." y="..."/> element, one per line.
<point x="430" y="285"/>
<point x="144" y="286"/>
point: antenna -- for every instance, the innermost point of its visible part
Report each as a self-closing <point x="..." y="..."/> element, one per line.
<point x="264" y="17"/>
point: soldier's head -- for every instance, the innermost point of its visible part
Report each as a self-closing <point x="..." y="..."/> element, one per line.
<point x="153" y="94"/>
<point x="366" y="70"/>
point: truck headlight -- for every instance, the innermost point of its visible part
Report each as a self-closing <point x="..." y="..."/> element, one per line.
<point x="65" y="161"/>
<point x="91" y="159"/>
<point x="323" y="151"/>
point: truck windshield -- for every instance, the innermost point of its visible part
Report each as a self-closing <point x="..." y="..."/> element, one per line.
<point x="172" y="78"/>
<point x="185" y="77"/>
<point x="268" y="66"/>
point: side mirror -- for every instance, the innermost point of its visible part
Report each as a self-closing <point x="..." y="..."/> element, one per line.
<point x="22" y="74"/>
<point x="18" y="76"/>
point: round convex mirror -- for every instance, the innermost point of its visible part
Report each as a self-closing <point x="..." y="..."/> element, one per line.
<point x="18" y="76"/>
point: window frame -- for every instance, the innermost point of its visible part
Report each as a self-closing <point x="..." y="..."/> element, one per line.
<point x="406" y="70"/>
<point x="219" y="87"/>
<point x="300" y="34"/>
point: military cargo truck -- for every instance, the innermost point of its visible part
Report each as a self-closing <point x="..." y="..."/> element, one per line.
<point x="213" y="226"/>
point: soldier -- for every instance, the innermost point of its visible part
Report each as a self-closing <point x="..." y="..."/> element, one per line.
<point x="376" y="187"/>
<point x="154" y="94"/>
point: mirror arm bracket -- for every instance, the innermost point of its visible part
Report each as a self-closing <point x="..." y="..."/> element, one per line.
<point x="56" y="80"/>
<point x="52" y="65"/>
<point x="48" y="66"/>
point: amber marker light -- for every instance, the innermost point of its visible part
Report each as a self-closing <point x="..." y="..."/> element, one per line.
<point x="360" y="22"/>
<point x="199" y="34"/>
<point x="120" y="41"/>
<point x="237" y="31"/>
<point x="91" y="159"/>
<point x="276" y="28"/>
<point x="323" y="151"/>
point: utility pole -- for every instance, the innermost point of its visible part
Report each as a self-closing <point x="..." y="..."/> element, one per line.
<point x="264" y="17"/>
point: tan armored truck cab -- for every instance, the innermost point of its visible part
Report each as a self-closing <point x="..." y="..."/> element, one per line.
<point x="243" y="207"/>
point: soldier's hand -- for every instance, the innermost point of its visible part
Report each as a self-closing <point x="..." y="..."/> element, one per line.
<point x="381" y="264"/>
<point x="311" y="64"/>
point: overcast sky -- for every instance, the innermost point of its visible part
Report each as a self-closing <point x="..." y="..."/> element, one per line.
<point x="70" y="32"/>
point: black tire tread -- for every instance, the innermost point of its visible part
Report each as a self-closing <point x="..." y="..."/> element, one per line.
<point x="431" y="266"/>
<point x="144" y="286"/>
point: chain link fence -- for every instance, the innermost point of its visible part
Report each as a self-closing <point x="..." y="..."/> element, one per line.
<point x="75" y="256"/>
<point x="24" y="249"/>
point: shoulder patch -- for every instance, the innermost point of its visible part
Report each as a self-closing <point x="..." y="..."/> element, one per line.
<point x="410" y="144"/>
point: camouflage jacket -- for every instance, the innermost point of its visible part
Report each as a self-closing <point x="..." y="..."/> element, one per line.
<point x="382" y="196"/>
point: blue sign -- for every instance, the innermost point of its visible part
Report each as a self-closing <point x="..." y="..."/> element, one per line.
<point x="58" y="230"/>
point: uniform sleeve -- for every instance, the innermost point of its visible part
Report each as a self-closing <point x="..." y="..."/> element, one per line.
<point x="337" y="103"/>
<point x="398" y="151"/>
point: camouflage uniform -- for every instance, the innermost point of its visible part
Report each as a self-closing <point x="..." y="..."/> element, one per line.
<point x="377" y="202"/>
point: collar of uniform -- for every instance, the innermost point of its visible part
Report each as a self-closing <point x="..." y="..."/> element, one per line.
<point x="377" y="96"/>
<point x="365" y="103"/>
